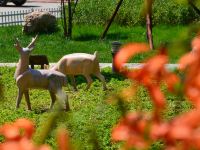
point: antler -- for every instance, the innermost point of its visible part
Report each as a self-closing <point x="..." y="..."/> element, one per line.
<point x="17" y="44"/>
<point x="32" y="44"/>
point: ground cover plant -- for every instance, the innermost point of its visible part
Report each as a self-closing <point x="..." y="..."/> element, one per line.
<point x="92" y="114"/>
<point x="86" y="39"/>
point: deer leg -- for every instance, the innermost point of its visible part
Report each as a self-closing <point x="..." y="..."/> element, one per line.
<point x="26" y="93"/>
<point x="53" y="99"/>
<point x="73" y="82"/>
<point x="89" y="81"/>
<point x="101" y="77"/>
<point x="63" y="99"/>
<point x="19" y="98"/>
<point x="67" y="108"/>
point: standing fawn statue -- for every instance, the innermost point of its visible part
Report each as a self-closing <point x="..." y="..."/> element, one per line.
<point x="80" y="64"/>
<point x="27" y="78"/>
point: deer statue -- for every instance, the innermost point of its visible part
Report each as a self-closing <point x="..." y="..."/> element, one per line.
<point x="27" y="78"/>
<point x="80" y="64"/>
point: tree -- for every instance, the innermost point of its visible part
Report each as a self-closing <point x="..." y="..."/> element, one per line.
<point x="68" y="28"/>
<point x="148" y="15"/>
<point x="69" y="34"/>
<point x="63" y="18"/>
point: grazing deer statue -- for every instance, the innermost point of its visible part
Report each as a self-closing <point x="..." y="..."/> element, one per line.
<point x="27" y="78"/>
<point x="80" y="64"/>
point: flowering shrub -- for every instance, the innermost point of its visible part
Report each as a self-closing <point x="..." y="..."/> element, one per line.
<point x="139" y="129"/>
<point x="18" y="137"/>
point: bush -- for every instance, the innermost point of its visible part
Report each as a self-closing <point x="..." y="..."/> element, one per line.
<point x="94" y="12"/>
<point x="164" y="12"/>
<point x="170" y="12"/>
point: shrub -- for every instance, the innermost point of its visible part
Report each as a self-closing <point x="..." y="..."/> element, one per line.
<point x="164" y="12"/>
<point x="139" y="130"/>
<point x="170" y="12"/>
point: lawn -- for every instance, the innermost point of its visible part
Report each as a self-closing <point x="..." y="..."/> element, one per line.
<point x="94" y="112"/>
<point x="91" y="117"/>
<point x="86" y="39"/>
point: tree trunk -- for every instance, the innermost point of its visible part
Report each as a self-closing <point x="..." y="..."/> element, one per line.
<point x="74" y="9"/>
<point x="149" y="30"/>
<point x="69" y="35"/>
<point x="111" y="19"/>
<point x="149" y="22"/>
<point x="63" y="17"/>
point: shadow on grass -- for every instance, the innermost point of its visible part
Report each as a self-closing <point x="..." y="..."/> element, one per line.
<point x="86" y="37"/>
<point x="108" y="77"/>
<point x="49" y="31"/>
<point x="41" y="110"/>
<point x="117" y="36"/>
<point x="110" y="36"/>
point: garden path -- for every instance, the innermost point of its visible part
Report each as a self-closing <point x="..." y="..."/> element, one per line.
<point x="102" y="65"/>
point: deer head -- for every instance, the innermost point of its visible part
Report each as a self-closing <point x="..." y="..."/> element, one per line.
<point x="23" y="63"/>
<point x="29" y="48"/>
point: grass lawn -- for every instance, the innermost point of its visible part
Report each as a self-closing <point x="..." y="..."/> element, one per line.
<point x="91" y="116"/>
<point x="85" y="39"/>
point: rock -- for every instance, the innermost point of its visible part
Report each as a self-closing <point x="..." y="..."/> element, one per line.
<point x="39" y="21"/>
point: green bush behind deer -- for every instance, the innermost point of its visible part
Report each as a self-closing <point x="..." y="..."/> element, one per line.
<point x="164" y="12"/>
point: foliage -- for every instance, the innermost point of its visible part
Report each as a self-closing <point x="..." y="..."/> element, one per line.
<point x="164" y="12"/>
<point x="171" y="12"/>
<point x="140" y="129"/>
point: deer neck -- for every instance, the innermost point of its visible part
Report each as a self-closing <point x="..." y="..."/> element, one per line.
<point x="22" y="66"/>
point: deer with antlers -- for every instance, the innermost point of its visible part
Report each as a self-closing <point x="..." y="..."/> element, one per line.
<point x="27" y="78"/>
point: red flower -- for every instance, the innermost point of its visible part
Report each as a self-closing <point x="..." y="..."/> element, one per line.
<point x="127" y="52"/>
<point x="18" y="136"/>
<point x="26" y="125"/>
<point x="159" y="130"/>
<point x="196" y="44"/>
<point x="10" y="132"/>
<point x="182" y="132"/>
<point x="131" y="129"/>
<point x="157" y="96"/>
<point x="63" y="140"/>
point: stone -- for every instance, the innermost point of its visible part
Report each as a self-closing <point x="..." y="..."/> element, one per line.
<point x="39" y="21"/>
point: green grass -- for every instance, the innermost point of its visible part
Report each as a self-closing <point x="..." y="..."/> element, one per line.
<point x="85" y="39"/>
<point x="90" y="111"/>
